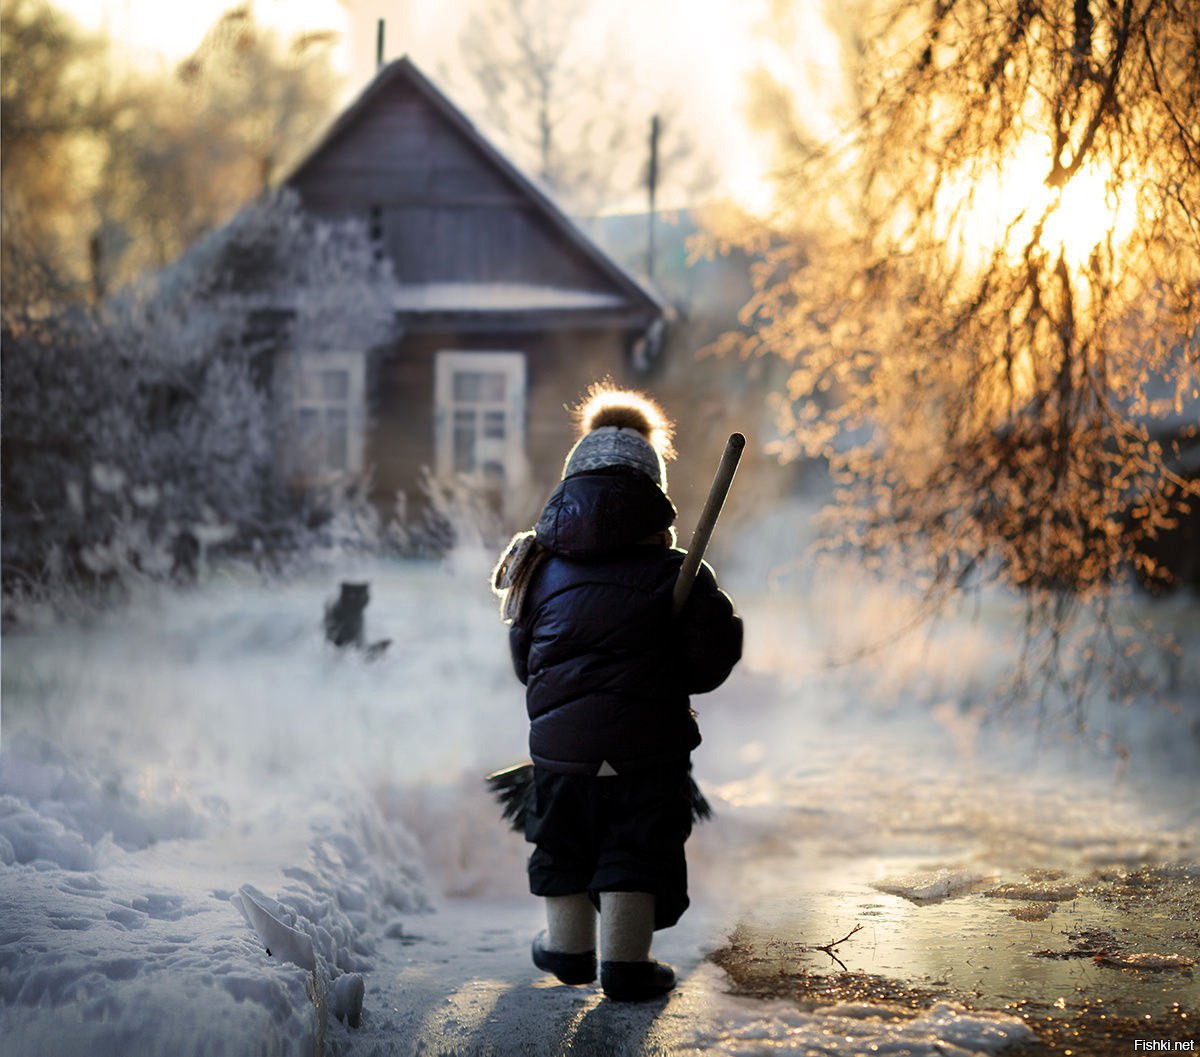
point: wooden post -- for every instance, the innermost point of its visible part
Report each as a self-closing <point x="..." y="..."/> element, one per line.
<point x="652" y="184"/>
<point x="96" y="263"/>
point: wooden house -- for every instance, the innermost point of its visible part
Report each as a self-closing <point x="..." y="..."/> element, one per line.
<point x="504" y="309"/>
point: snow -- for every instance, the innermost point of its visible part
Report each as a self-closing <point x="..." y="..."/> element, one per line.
<point x="159" y="760"/>
<point x="492" y="297"/>
<point x="849" y="1030"/>
<point x="189" y="751"/>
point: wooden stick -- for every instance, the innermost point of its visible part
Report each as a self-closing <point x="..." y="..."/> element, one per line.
<point x="708" y="519"/>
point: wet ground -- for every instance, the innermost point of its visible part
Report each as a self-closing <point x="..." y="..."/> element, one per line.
<point x="1092" y="960"/>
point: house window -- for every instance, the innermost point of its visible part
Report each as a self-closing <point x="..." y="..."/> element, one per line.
<point x="328" y="414"/>
<point x="480" y="416"/>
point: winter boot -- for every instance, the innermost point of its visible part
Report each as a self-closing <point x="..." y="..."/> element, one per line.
<point x="628" y="973"/>
<point x="567" y="948"/>
<point x="636" y="981"/>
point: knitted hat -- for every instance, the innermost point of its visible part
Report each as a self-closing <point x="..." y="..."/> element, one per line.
<point x="621" y="428"/>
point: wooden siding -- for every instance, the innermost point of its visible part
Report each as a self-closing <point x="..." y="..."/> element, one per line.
<point x="560" y="367"/>
<point x="397" y="147"/>
<point x="400" y="422"/>
<point x="447" y="208"/>
<point x="447" y="214"/>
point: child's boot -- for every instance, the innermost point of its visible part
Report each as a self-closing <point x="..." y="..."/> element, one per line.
<point x="567" y="947"/>
<point x="628" y="973"/>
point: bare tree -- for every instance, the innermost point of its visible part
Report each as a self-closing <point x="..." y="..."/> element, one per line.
<point x="126" y="426"/>
<point x="54" y="110"/>
<point x="989" y="287"/>
<point x="269" y="95"/>
<point x="106" y="173"/>
<point x="242" y="108"/>
<point x="567" y="111"/>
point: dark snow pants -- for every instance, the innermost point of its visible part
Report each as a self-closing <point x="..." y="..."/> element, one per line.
<point x="621" y="833"/>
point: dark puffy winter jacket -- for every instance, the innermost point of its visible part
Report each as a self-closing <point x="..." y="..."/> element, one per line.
<point x="608" y="670"/>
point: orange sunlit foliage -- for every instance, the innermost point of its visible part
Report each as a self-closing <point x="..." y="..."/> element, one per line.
<point x="109" y="171"/>
<point x="989" y="288"/>
<point x="1001" y="208"/>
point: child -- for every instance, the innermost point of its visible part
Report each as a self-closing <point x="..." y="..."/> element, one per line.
<point x="608" y="671"/>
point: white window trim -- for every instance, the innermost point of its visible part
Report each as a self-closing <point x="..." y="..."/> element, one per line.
<point x="354" y="364"/>
<point x="448" y="362"/>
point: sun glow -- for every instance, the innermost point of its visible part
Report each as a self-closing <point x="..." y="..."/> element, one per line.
<point x="1009" y="208"/>
<point x="700" y="80"/>
<point x="150" y="34"/>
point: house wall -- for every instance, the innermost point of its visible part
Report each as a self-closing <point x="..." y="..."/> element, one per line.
<point x="560" y="364"/>
<point x="446" y="208"/>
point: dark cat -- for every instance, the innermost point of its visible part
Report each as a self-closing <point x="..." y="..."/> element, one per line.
<point x="344" y="621"/>
<point x="344" y="617"/>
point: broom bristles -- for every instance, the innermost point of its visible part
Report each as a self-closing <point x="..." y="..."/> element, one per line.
<point x="513" y="788"/>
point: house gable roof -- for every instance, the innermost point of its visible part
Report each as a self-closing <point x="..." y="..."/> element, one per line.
<point x="571" y="260"/>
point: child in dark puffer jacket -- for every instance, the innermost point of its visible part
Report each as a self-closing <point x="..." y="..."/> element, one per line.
<point x="608" y="673"/>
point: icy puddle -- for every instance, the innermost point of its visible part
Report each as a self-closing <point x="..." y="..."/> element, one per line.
<point x="1092" y="962"/>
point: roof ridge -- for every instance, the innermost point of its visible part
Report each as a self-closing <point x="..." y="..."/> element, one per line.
<point x="549" y="209"/>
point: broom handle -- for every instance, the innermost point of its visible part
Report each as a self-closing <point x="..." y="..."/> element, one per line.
<point x="708" y="519"/>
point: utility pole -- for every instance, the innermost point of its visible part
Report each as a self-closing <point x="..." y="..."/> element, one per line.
<point x="96" y="261"/>
<point x="379" y="45"/>
<point x="652" y="185"/>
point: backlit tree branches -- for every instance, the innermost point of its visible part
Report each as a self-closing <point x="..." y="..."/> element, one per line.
<point x="995" y="339"/>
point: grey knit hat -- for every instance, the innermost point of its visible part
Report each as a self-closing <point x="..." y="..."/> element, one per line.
<point x="616" y="446"/>
<point x="617" y="429"/>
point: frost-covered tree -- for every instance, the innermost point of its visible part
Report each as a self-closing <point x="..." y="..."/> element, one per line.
<point x="988" y="283"/>
<point x="138" y="430"/>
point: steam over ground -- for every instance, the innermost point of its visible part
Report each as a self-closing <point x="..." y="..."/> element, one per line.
<point x="159" y="756"/>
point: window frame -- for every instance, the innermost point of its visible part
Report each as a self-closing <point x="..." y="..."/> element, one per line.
<point x="508" y="450"/>
<point x="319" y="471"/>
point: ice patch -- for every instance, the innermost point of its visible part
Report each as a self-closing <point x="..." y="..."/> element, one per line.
<point x="926" y="887"/>
<point x="1033" y="912"/>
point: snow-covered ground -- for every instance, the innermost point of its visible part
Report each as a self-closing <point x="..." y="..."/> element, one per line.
<point x="158" y="757"/>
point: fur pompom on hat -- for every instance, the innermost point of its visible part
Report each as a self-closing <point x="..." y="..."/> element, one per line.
<point x="620" y="427"/>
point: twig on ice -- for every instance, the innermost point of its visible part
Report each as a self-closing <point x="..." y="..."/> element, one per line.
<point x="828" y="948"/>
<point x="831" y="947"/>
